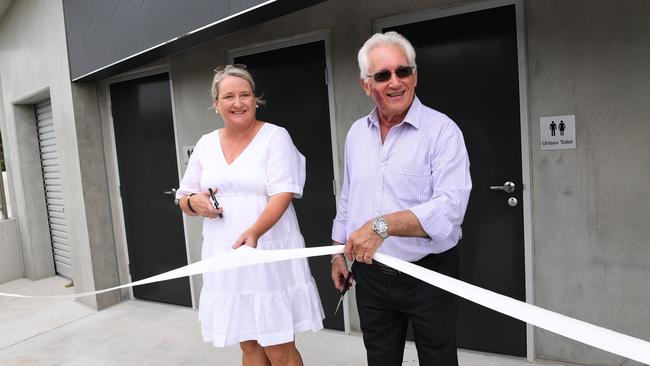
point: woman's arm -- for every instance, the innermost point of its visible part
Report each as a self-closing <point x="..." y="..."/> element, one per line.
<point x="271" y="214"/>
<point x="184" y="205"/>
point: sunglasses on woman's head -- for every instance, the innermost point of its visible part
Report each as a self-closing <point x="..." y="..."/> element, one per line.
<point x="223" y="67"/>
<point x="384" y="75"/>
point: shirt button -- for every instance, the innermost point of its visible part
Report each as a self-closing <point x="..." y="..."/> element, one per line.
<point x="382" y="164"/>
<point x="378" y="189"/>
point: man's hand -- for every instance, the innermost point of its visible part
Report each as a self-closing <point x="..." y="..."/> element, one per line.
<point x="363" y="243"/>
<point x="339" y="272"/>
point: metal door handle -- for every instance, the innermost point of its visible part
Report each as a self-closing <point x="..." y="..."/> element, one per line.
<point x="171" y="192"/>
<point x="508" y="187"/>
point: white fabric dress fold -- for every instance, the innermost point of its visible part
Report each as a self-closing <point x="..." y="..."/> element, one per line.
<point x="266" y="302"/>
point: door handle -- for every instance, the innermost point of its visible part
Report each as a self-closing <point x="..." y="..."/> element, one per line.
<point x="508" y="187"/>
<point x="171" y="192"/>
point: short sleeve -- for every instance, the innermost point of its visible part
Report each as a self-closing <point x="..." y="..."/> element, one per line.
<point x="191" y="181"/>
<point x="285" y="165"/>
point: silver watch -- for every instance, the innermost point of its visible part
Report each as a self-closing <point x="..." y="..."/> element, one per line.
<point x="380" y="226"/>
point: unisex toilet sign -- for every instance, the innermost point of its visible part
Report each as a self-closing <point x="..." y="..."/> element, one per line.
<point x="558" y="132"/>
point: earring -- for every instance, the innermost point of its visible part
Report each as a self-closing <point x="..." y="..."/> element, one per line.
<point x="257" y="105"/>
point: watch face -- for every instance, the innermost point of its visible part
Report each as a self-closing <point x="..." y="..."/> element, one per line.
<point x="380" y="226"/>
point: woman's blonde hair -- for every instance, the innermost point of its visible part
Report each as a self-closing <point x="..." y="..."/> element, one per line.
<point x="230" y="70"/>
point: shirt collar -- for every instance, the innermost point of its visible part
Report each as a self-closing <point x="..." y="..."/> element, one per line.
<point x="412" y="116"/>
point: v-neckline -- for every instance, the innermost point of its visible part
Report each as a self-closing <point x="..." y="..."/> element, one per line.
<point x="223" y="155"/>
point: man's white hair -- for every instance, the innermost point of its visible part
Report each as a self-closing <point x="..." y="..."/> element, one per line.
<point x="384" y="39"/>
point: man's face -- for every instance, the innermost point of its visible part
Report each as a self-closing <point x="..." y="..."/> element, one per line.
<point x="394" y="96"/>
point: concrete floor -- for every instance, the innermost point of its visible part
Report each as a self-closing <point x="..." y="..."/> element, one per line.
<point x="137" y="333"/>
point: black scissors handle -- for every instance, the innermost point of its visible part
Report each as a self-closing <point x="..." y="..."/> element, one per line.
<point x="346" y="287"/>
<point x="214" y="199"/>
<point x="347" y="283"/>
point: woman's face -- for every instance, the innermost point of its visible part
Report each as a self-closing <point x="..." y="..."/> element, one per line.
<point x="236" y="101"/>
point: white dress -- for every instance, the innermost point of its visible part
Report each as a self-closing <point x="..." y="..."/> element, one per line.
<point x="267" y="302"/>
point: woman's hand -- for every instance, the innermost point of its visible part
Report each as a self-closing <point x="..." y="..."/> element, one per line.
<point x="278" y="203"/>
<point x="203" y="206"/>
<point x="248" y="237"/>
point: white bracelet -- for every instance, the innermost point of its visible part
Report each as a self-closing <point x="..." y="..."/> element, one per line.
<point x="336" y="256"/>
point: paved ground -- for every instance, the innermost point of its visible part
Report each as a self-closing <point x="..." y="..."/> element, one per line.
<point x="140" y="333"/>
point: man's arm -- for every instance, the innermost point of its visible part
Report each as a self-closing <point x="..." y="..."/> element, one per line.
<point x="438" y="218"/>
<point x="364" y="242"/>
<point x="442" y="215"/>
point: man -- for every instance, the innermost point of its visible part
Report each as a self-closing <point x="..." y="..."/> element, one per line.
<point x="405" y="190"/>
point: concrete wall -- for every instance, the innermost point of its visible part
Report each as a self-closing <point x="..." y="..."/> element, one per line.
<point x="590" y="205"/>
<point x="11" y="260"/>
<point x="32" y="216"/>
<point x="100" y="252"/>
<point x="5" y="195"/>
<point x="25" y="35"/>
<point x="33" y="68"/>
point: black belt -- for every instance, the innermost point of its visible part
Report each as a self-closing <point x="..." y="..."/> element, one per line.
<point x="421" y="262"/>
<point x="386" y="269"/>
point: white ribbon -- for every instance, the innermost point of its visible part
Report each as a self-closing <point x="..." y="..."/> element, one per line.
<point x="599" y="337"/>
<point x="605" y="339"/>
<point x="244" y="256"/>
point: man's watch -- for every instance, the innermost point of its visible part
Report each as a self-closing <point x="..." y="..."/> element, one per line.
<point x="380" y="226"/>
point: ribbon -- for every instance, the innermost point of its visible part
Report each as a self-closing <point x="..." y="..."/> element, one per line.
<point x="244" y="256"/>
<point x="599" y="337"/>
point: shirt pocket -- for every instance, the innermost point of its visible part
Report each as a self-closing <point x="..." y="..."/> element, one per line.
<point x="413" y="183"/>
<point x="417" y="170"/>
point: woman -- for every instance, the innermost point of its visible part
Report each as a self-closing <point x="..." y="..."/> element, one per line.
<point x="255" y="170"/>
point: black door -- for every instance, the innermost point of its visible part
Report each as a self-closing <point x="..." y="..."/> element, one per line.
<point x="292" y="80"/>
<point x="146" y="153"/>
<point x="467" y="69"/>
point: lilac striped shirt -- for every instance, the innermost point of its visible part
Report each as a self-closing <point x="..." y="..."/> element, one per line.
<point x="422" y="166"/>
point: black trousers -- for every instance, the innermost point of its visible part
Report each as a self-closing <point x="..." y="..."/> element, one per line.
<point x="387" y="300"/>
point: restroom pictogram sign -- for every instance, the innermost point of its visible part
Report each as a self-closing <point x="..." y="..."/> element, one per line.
<point x="558" y="132"/>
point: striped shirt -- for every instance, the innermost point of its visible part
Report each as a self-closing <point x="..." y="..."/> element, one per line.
<point x="422" y="166"/>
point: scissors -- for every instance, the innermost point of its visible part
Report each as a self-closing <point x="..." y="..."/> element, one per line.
<point x="346" y="287"/>
<point x="214" y="199"/>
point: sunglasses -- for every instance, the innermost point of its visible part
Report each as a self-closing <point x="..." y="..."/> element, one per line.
<point x="223" y="67"/>
<point x="384" y="75"/>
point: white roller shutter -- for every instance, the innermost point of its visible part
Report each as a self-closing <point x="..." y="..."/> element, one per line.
<point x="53" y="189"/>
